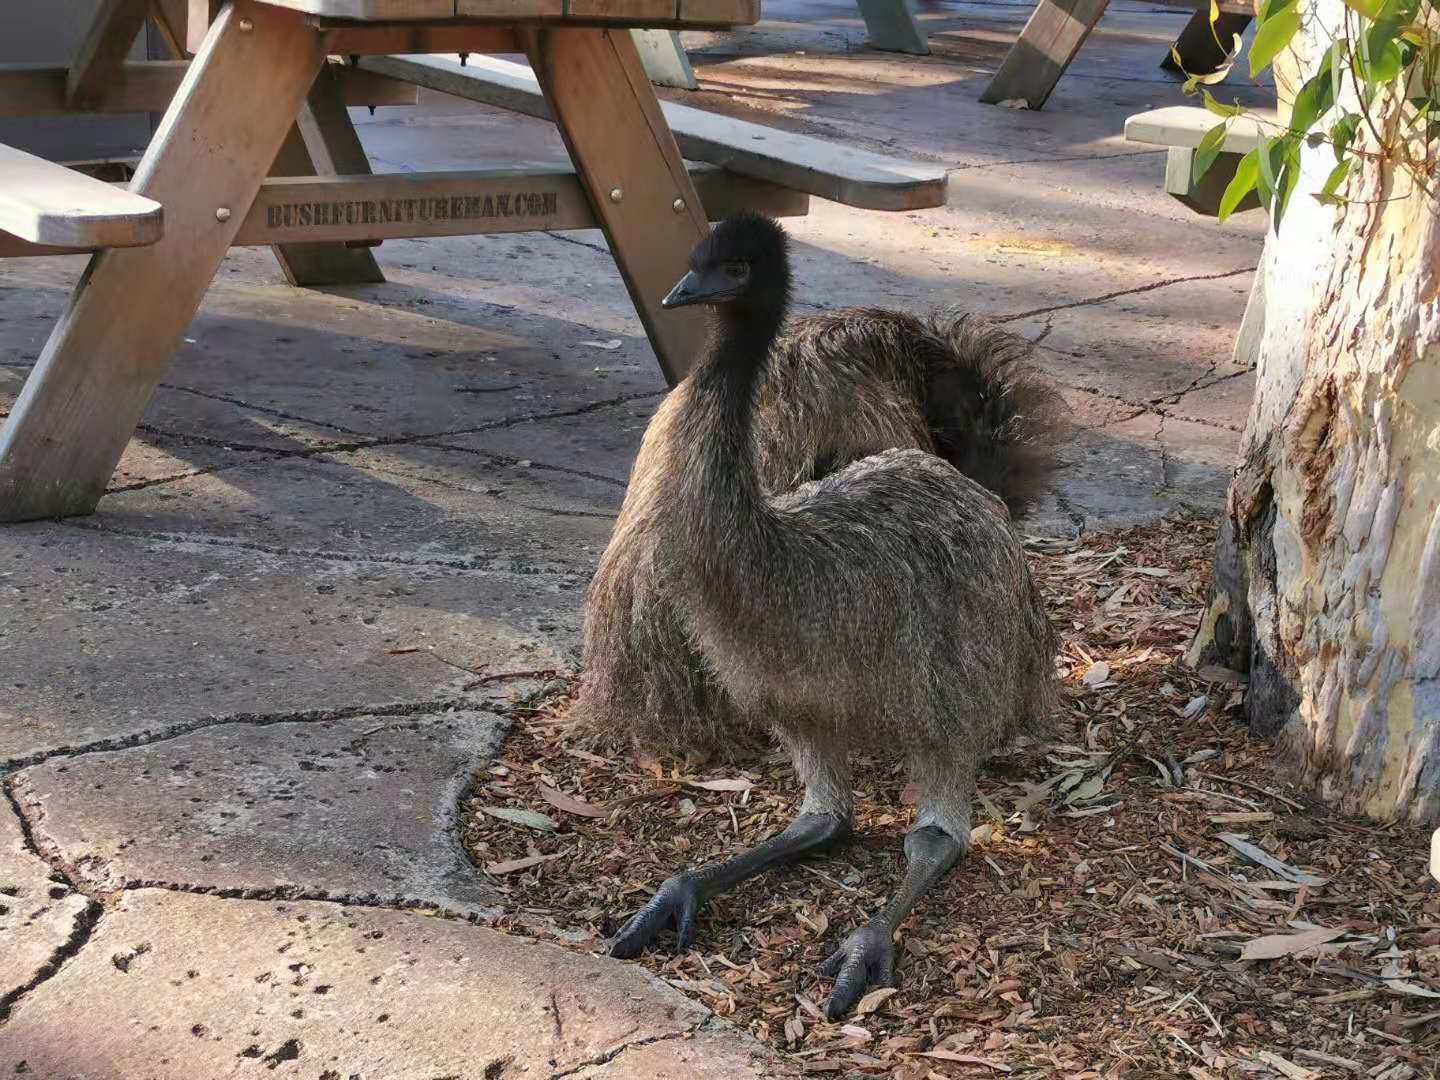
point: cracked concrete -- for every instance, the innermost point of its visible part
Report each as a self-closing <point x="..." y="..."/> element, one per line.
<point x="358" y="809"/>
<point x="240" y="704"/>
<point x="38" y="908"/>
<point x="322" y="990"/>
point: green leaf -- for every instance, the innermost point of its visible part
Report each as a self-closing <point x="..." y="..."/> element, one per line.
<point x="1274" y="34"/>
<point x="1270" y="8"/>
<point x="1342" y="133"/>
<point x="1243" y="182"/>
<point x="1208" y="151"/>
<point x="1380" y="57"/>
<point x="1220" y="108"/>
<point x="1313" y="100"/>
<point x="1289" y="174"/>
<point x="1337" y="177"/>
<point x="1264" y="163"/>
<point x="1369" y="8"/>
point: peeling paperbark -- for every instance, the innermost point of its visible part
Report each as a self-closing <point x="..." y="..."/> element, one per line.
<point x="1328" y="566"/>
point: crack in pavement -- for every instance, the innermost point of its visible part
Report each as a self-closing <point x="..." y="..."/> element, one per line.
<point x="155" y="736"/>
<point x="610" y="1055"/>
<point x="83" y="925"/>
<point x="354" y="446"/>
<point x="1105" y="297"/>
<point x="495" y="565"/>
<point x="492" y="493"/>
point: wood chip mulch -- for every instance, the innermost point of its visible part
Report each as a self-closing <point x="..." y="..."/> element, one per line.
<point x="1111" y="919"/>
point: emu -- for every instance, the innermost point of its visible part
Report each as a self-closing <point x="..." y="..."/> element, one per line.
<point x="881" y="604"/>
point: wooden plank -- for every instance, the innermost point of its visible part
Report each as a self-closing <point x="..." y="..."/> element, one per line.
<point x="104" y="48"/>
<point x="627" y="159"/>
<point x="891" y="26"/>
<point x="633" y="12"/>
<point x="719" y="12"/>
<point x="197" y="24"/>
<point x="171" y="17"/>
<point x="371" y="10"/>
<point x="832" y="171"/>
<point x="50" y="204"/>
<point x="392" y="206"/>
<point x="452" y="37"/>
<point x="110" y="347"/>
<point x="323" y="142"/>
<point x="664" y="58"/>
<point x="510" y="9"/>
<point x="28" y="90"/>
<point x="1185" y="125"/>
<point x="1204" y="49"/>
<point x="1050" y="40"/>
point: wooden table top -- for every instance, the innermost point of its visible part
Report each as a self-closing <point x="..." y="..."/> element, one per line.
<point x="626" y="12"/>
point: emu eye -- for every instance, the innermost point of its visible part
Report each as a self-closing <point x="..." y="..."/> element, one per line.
<point x="737" y="270"/>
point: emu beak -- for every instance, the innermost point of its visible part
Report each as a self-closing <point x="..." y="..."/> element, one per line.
<point x="701" y="287"/>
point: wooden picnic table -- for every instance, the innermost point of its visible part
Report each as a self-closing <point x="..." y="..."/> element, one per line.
<point x="1057" y="29"/>
<point x="264" y="93"/>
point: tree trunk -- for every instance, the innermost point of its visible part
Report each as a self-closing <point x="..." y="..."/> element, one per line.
<point x="1328" y="565"/>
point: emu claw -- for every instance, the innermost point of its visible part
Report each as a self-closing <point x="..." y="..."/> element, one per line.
<point x="676" y="901"/>
<point x="866" y="957"/>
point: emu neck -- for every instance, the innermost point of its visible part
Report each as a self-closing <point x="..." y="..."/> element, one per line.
<point x="721" y="506"/>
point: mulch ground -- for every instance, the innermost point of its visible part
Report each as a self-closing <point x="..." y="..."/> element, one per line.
<point x="1111" y="919"/>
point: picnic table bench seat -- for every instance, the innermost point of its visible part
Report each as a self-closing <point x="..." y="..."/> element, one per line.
<point x="45" y="203"/>
<point x="1180" y="128"/>
<point x="843" y="174"/>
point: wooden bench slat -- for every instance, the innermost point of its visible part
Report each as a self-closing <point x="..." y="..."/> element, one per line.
<point x="1185" y="125"/>
<point x="49" y="204"/>
<point x="840" y="173"/>
<point x="287" y="209"/>
<point x="639" y="13"/>
<point x="30" y="90"/>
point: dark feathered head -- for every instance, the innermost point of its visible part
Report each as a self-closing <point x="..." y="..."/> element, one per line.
<point x="744" y="262"/>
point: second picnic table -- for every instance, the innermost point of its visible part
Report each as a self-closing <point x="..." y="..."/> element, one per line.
<point x="258" y="64"/>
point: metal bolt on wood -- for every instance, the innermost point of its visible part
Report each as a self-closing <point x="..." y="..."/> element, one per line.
<point x="222" y="213"/>
<point x="616" y="194"/>
<point x="678" y="206"/>
<point x="246" y="26"/>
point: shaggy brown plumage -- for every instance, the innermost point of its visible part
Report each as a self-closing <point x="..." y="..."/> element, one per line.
<point x="839" y="387"/>
<point x="886" y="605"/>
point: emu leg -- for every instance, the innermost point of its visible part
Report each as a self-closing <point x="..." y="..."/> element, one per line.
<point x="680" y="898"/>
<point x="868" y="955"/>
<point x="824" y="820"/>
<point x="940" y="837"/>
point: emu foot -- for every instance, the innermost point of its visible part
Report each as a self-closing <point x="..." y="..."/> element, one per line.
<point x="867" y="957"/>
<point x="676" y="903"/>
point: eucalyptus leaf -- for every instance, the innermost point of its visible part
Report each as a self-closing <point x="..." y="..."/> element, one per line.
<point x="1274" y="34"/>
<point x="1243" y="182"/>
<point x="1208" y="150"/>
<point x="1219" y="108"/>
<point x="1336" y="178"/>
<point x="529" y="818"/>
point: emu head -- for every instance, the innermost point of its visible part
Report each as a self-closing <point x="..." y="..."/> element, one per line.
<point x="744" y="262"/>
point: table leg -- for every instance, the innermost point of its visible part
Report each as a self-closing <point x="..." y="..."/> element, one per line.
<point x="891" y="26"/>
<point x="1050" y="40"/>
<point x="1204" y="49"/>
<point x="104" y="49"/>
<point x="323" y="142"/>
<point x="108" y="350"/>
<point x="627" y="159"/>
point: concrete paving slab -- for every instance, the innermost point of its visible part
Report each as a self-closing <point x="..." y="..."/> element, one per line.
<point x="113" y="637"/>
<point x="406" y="504"/>
<point x="359" y="810"/>
<point x="176" y="985"/>
<point x="38" y="911"/>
